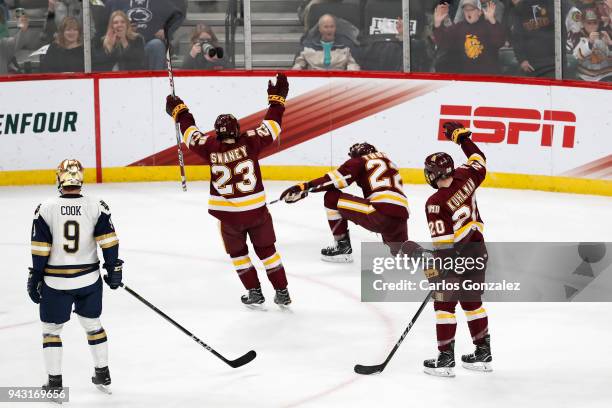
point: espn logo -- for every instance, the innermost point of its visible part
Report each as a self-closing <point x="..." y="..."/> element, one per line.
<point x="507" y="124"/>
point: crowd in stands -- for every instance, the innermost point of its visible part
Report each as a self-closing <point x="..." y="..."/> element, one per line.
<point x="507" y="37"/>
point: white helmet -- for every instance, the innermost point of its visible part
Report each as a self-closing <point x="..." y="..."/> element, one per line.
<point x="69" y="173"/>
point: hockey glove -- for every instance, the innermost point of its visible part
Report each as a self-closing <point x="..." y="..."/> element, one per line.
<point x="34" y="284"/>
<point x="115" y="274"/>
<point x="456" y="132"/>
<point x="278" y="92"/>
<point x="175" y="106"/>
<point x="295" y="193"/>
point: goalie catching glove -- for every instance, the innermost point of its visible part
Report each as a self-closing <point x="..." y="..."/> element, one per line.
<point x="456" y="132"/>
<point x="175" y="106"/>
<point x="295" y="193"/>
<point x="278" y="92"/>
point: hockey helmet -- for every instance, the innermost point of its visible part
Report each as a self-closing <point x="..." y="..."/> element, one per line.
<point x="69" y="173"/>
<point x="438" y="166"/>
<point x="360" y="149"/>
<point x="227" y="127"/>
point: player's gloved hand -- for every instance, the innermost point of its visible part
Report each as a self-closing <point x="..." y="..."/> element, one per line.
<point x="295" y="193"/>
<point x="34" y="284"/>
<point x="456" y="132"/>
<point x="278" y="92"/>
<point x="411" y="249"/>
<point x="115" y="274"/>
<point x="175" y="106"/>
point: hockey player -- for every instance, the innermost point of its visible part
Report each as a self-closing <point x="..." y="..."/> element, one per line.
<point x="457" y="231"/>
<point x="66" y="271"/>
<point x="384" y="208"/>
<point x="237" y="197"/>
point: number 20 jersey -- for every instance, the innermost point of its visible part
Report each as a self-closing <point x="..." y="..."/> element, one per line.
<point x="453" y="212"/>
<point x="65" y="232"/>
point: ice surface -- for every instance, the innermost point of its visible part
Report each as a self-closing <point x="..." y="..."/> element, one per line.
<point x="545" y="354"/>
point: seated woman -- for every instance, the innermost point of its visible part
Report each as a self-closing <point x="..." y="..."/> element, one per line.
<point x="203" y="35"/>
<point x="65" y="53"/>
<point x="121" y="48"/>
<point x="326" y="50"/>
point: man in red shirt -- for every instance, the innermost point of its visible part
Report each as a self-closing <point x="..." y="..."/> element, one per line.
<point x="237" y="197"/>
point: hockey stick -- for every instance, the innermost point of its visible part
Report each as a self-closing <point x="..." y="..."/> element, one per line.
<point x="240" y="361"/>
<point x="171" y="80"/>
<point x="375" y="369"/>
<point x="313" y="188"/>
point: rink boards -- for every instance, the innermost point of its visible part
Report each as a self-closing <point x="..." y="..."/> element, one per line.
<point x="542" y="135"/>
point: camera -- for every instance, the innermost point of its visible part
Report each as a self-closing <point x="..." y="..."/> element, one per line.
<point x="209" y="49"/>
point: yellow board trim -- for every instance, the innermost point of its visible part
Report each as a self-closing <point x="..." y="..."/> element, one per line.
<point x="299" y="173"/>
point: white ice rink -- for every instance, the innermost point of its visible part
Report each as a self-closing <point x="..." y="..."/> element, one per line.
<point x="545" y="354"/>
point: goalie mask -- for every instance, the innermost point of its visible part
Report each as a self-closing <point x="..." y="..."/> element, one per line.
<point x="361" y="149"/>
<point x="438" y="166"/>
<point x="227" y="127"/>
<point x="69" y="173"/>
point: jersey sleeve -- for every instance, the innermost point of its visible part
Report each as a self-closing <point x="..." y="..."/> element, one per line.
<point x="476" y="163"/>
<point x="192" y="137"/>
<point x="41" y="240"/>
<point x="105" y="234"/>
<point x="341" y="177"/>
<point x="269" y="130"/>
<point x="440" y="225"/>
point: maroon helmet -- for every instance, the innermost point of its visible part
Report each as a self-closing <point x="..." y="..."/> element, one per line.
<point x="227" y="127"/>
<point x="438" y="166"/>
<point x="360" y="149"/>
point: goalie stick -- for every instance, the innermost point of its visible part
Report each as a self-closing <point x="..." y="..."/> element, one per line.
<point x="240" y="361"/>
<point x="171" y="80"/>
<point x="378" y="368"/>
<point x="313" y="188"/>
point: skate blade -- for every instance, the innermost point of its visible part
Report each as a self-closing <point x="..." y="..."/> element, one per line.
<point x="285" y="308"/>
<point x="55" y="401"/>
<point x="440" y="371"/>
<point x="347" y="258"/>
<point x="103" y="388"/>
<point x="479" y="366"/>
<point x="256" y="306"/>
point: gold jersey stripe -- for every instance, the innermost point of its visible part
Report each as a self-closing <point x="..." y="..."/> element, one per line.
<point x="445" y="316"/>
<point x="109" y="244"/>
<point x="245" y="203"/>
<point x="40" y="253"/>
<point x="50" y="339"/>
<point x="390" y="197"/>
<point x="474" y="312"/>
<point x="65" y="271"/>
<point x="355" y="206"/>
<point x="105" y="236"/>
<point x="244" y="261"/>
<point x="478" y="225"/>
<point x="41" y="244"/>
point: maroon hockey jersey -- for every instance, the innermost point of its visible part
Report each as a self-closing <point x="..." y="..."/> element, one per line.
<point x="236" y="188"/>
<point x="453" y="212"/>
<point x="379" y="179"/>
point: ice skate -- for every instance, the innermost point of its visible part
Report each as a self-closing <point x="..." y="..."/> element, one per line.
<point x="54" y="385"/>
<point x="444" y="365"/>
<point x="101" y="379"/>
<point x="282" y="298"/>
<point x="340" y="252"/>
<point x="254" y="299"/>
<point x="480" y="359"/>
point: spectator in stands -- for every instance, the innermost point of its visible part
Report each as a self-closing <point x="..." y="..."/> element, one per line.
<point x="196" y="59"/>
<point x="148" y="18"/>
<point x="533" y="37"/>
<point x="478" y="39"/>
<point x="499" y="11"/>
<point x="593" y="48"/>
<point x="326" y="50"/>
<point x="65" y="53"/>
<point x="121" y="48"/>
<point x="10" y="45"/>
<point x="60" y="9"/>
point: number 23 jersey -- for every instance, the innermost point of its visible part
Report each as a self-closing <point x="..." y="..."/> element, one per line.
<point x="65" y="231"/>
